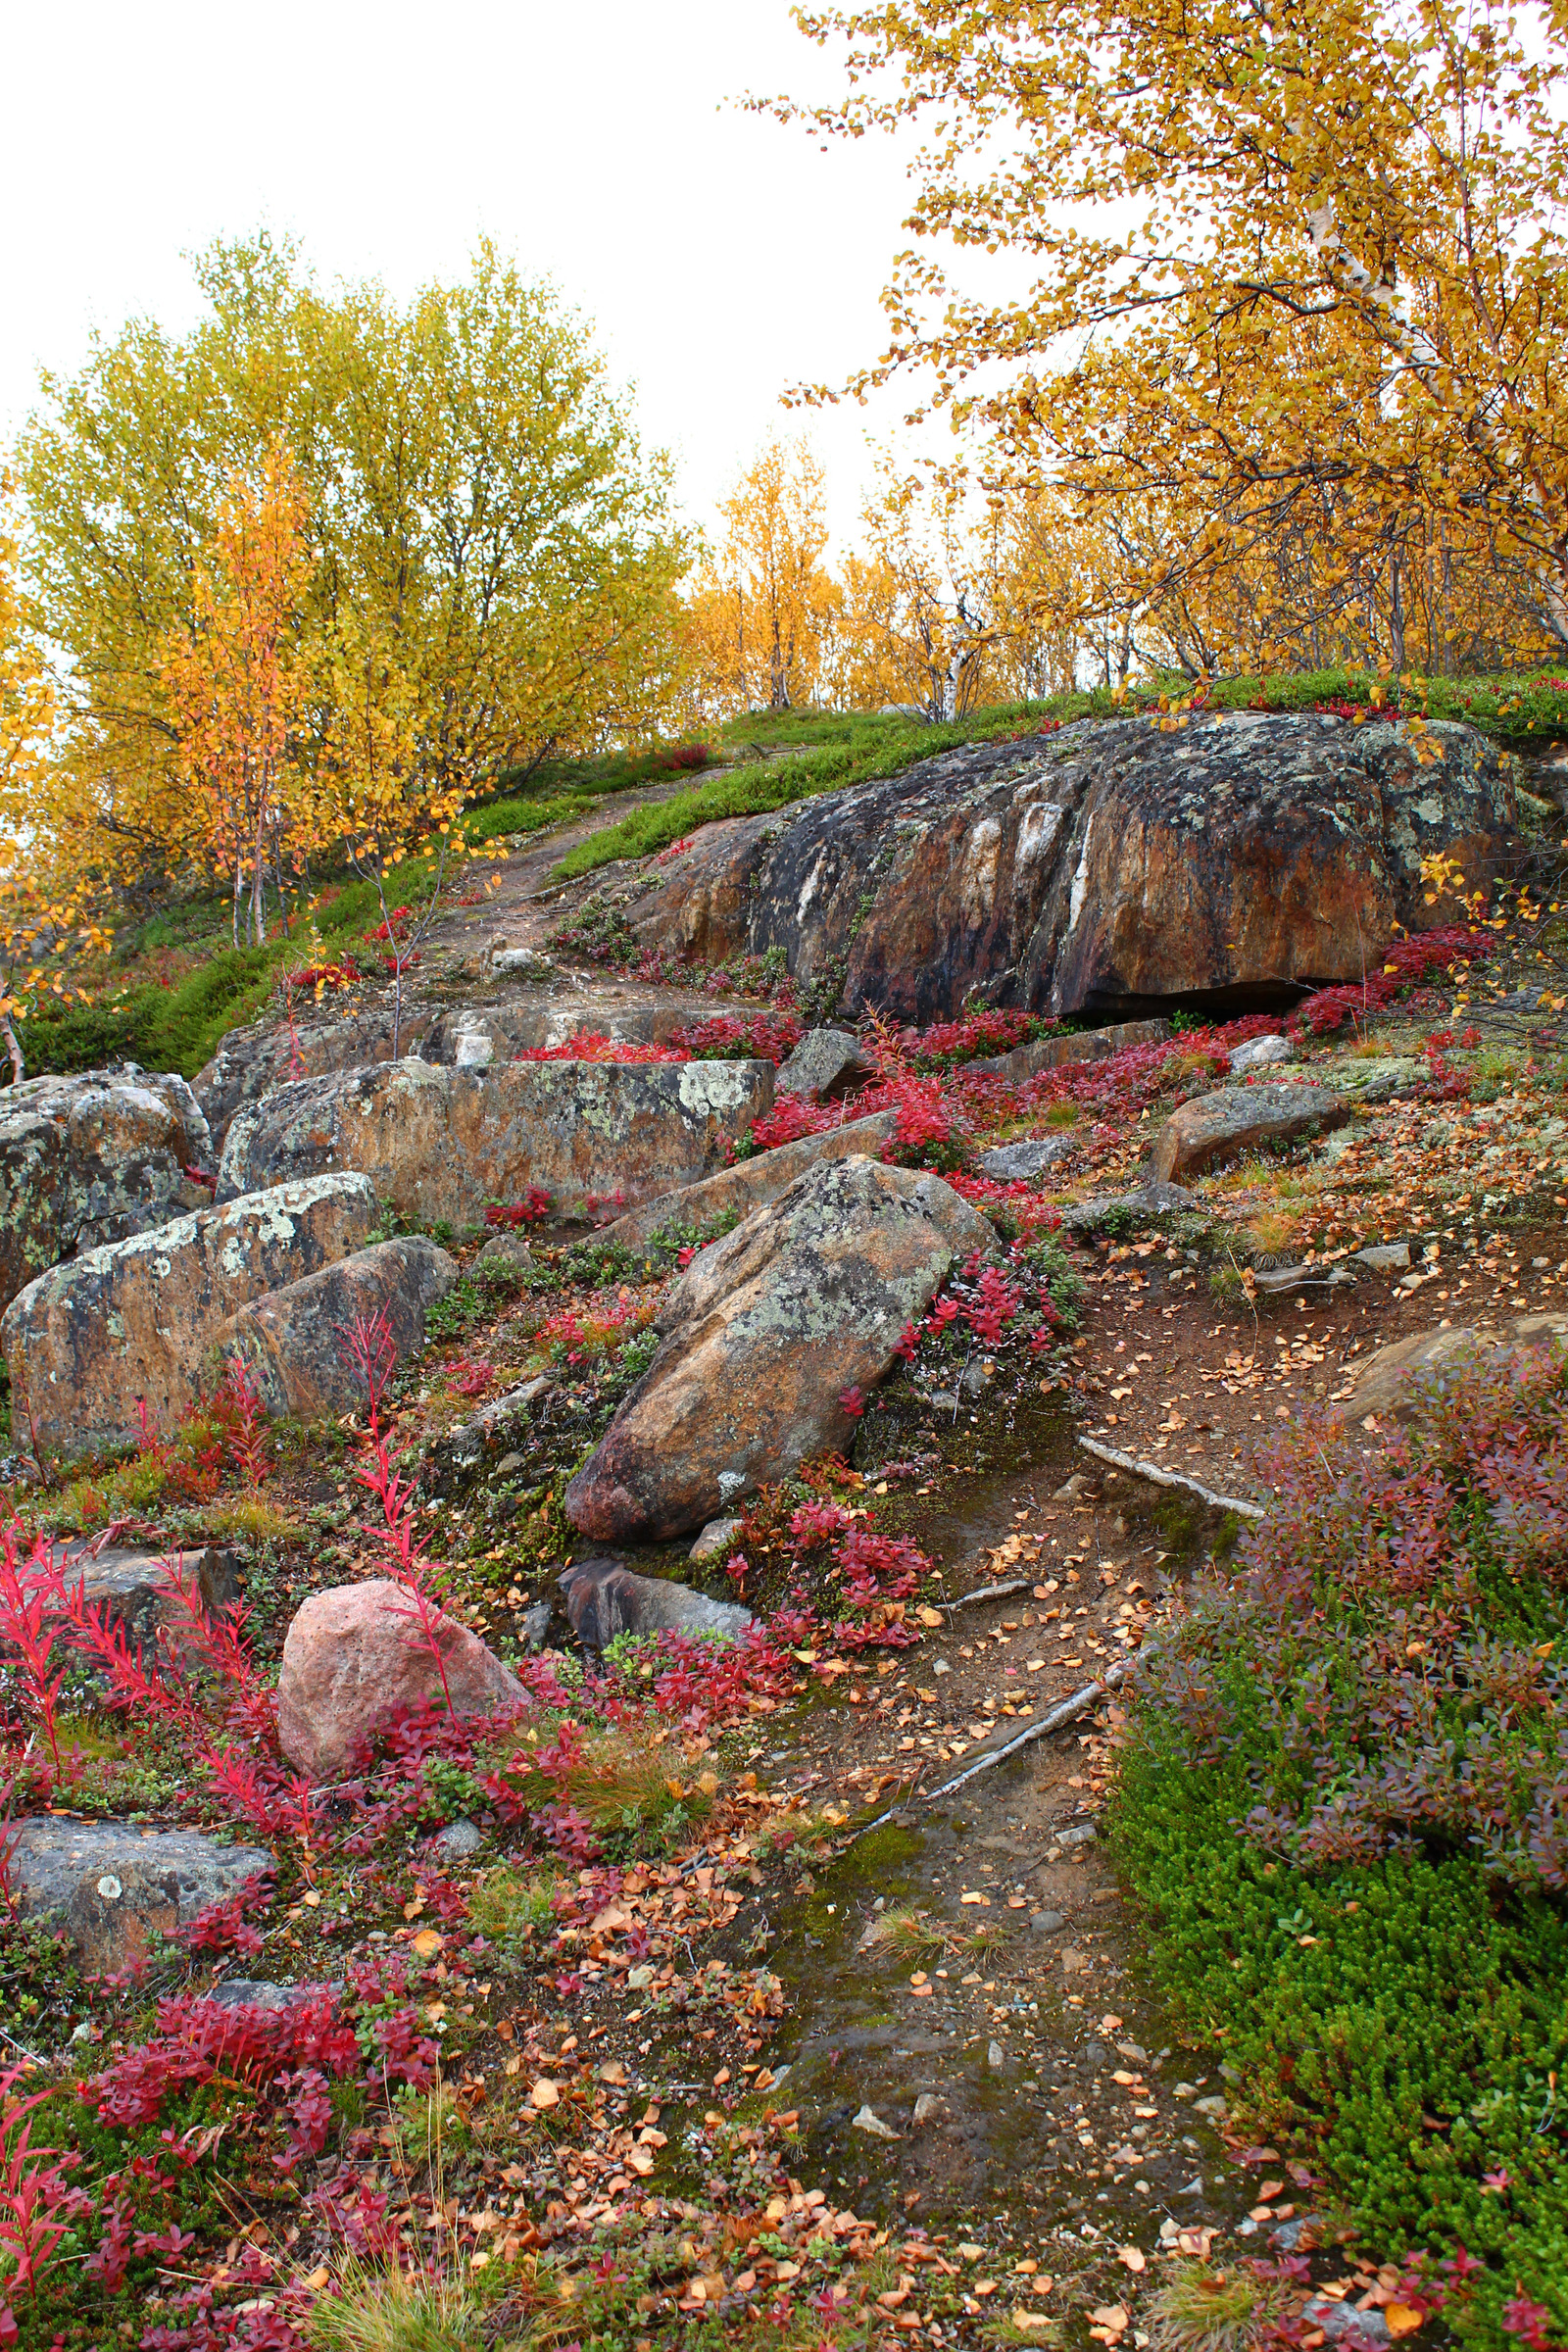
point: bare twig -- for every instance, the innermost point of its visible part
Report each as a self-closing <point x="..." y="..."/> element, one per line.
<point x="1172" y="1478"/>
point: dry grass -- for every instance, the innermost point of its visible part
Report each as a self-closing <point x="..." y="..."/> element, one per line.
<point x="396" y="2311"/>
<point x="1204" y="2308"/>
<point x="248" y="1519"/>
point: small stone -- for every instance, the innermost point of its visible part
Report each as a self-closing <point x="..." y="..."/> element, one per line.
<point x="459" y="1837"/>
<point x="942" y="1400"/>
<point x="1383" y="1258"/>
<point x="605" y="1598"/>
<point x="716" y="1541"/>
<point x="1344" y="2321"/>
<point x="535" y="1625"/>
<point x="509" y="1465"/>
<point x="1259" y="1052"/>
<point x="869" y="2121"/>
<point x="826" y="1062"/>
<point x="996" y="2057"/>
<point x="1021" y="1163"/>
<point x="1048" y="1923"/>
<point x="1084" y="1835"/>
<point x="926" y="2106"/>
<point x="503" y="1257"/>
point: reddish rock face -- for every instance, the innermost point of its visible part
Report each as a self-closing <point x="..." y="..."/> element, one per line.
<point x="357" y="1651"/>
<point x="443" y="1143"/>
<point x="294" y="1341"/>
<point x="91" y="1159"/>
<point x="1111" y="868"/>
<point x="1234" y="1120"/>
<point x="136" y="1318"/>
<point x="764" y="1332"/>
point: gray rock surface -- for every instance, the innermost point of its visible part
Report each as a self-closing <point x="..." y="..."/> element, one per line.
<point x="716" y="1541"/>
<point x="1146" y="1204"/>
<point x="91" y="1159"/>
<point x="750" y="1185"/>
<point x="294" y="1342"/>
<point x="258" y="1060"/>
<point x="1390" y="1384"/>
<point x="1022" y="1163"/>
<point x="111" y="1885"/>
<point x="1260" y="1053"/>
<point x="1111" y="867"/>
<point x="605" y="1598"/>
<point x="136" y="1589"/>
<point x="1212" y="1129"/>
<point x="826" y="1062"/>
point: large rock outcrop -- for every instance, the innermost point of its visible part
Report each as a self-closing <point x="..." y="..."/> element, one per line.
<point x="763" y="1334"/>
<point x="1111" y="867"/>
<point x="135" y="1320"/>
<point x="295" y="1342"/>
<point x="91" y="1159"/>
<point x="443" y="1143"/>
<point x="357" y="1652"/>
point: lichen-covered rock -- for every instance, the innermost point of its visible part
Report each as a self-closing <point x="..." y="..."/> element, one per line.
<point x="294" y="1342"/>
<point x="442" y="1143"/>
<point x="356" y="1652"/>
<point x="135" y="1320"/>
<point x="605" y="1598"/>
<point x="1070" y="1045"/>
<point x="257" y="1060"/>
<point x="1234" y="1120"/>
<point x="1260" y="1053"/>
<point x="826" y="1062"/>
<point x="112" y="1885"/>
<point x="752" y="1183"/>
<point x="91" y="1159"/>
<point x="1109" y="867"/>
<point x="763" y="1334"/>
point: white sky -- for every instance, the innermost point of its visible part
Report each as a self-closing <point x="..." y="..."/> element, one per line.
<point x="720" y="255"/>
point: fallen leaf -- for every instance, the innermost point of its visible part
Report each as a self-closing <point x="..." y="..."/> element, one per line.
<point x="427" y="1943"/>
<point x="929" y="1616"/>
<point x="1134" y="2258"/>
<point x="1401" y="2319"/>
<point x="1112" y="2316"/>
<point x="544" y="2093"/>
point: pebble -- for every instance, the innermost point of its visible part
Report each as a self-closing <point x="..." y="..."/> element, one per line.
<point x="1046" y="1923"/>
<point x="459" y="1837"/>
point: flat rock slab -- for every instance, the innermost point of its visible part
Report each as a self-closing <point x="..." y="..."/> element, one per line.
<point x="1391" y="1382"/>
<point x="494" y="1426"/>
<point x="112" y="1885"/>
<point x="91" y="1159"/>
<point x="764" y="1333"/>
<point x="752" y="1183"/>
<point x="138" y="1318"/>
<point x="1073" y="1044"/>
<point x="604" y="1599"/>
<point x="444" y="1144"/>
<point x="355" y="1653"/>
<point x="1146" y="1205"/>
<point x="1022" y="1163"/>
<point x="1236" y="1119"/>
<point x="294" y="1342"/>
<point x="137" y="1589"/>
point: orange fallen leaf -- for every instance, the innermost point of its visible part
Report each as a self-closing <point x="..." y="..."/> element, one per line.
<point x="544" y="2093"/>
<point x="1401" y="2319"/>
<point x="1132" y="2257"/>
<point x="427" y="1942"/>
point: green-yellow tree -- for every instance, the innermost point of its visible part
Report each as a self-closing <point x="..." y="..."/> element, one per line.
<point x="472" y="498"/>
